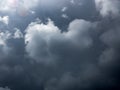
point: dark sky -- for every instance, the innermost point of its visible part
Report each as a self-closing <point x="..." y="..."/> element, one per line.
<point x="59" y="45"/>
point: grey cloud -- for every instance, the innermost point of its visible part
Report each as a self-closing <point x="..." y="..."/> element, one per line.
<point x="40" y="38"/>
<point x="85" y="56"/>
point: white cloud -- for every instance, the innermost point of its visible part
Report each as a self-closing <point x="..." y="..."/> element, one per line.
<point x="40" y="38"/>
<point x="4" y="19"/>
<point x="108" y="7"/>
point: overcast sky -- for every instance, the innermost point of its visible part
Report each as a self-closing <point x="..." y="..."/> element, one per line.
<point x="59" y="44"/>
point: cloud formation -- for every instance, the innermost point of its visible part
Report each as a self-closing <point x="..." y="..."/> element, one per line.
<point x="79" y="53"/>
<point x="40" y="38"/>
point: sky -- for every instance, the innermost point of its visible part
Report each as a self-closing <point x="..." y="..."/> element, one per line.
<point x="59" y="44"/>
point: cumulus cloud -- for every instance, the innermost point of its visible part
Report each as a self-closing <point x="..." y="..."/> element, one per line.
<point x="108" y="7"/>
<point x="39" y="38"/>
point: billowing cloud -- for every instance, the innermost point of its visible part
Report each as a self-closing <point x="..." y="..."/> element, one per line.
<point x="41" y="37"/>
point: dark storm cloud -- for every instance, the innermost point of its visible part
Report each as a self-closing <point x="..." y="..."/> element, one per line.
<point x="77" y="53"/>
